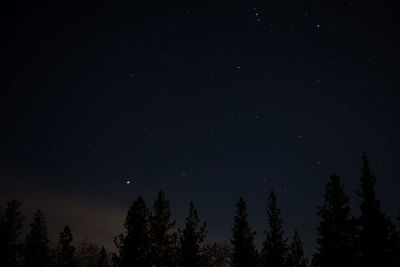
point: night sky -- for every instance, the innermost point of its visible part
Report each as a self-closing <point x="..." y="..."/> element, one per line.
<point x="209" y="101"/>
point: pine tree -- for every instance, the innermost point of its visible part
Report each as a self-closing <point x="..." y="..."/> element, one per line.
<point x="335" y="230"/>
<point x="397" y="246"/>
<point x="275" y="249"/>
<point x="86" y="252"/>
<point x="374" y="241"/>
<point x="135" y="245"/>
<point x="244" y="252"/>
<point x="163" y="240"/>
<point x="191" y="238"/>
<point x="296" y="253"/>
<point x="11" y="221"/>
<point x="216" y="255"/>
<point x="36" y="247"/>
<point x="392" y="252"/>
<point x="101" y="260"/>
<point x="64" y="254"/>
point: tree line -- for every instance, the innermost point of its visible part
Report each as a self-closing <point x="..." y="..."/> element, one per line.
<point x="150" y="237"/>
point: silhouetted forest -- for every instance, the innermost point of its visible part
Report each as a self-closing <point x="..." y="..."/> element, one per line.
<point x="151" y="237"/>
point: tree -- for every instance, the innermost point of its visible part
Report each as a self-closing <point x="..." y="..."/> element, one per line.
<point x="101" y="260"/>
<point x="335" y="231"/>
<point x="64" y="254"/>
<point x="86" y="253"/>
<point x="397" y="246"/>
<point x="244" y="252"/>
<point x="11" y="221"/>
<point x="393" y="246"/>
<point x="374" y="240"/>
<point x="296" y="253"/>
<point x="135" y="245"/>
<point x="163" y="240"/>
<point x="191" y="238"/>
<point x="36" y="247"/>
<point x="275" y="247"/>
<point x="216" y="255"/>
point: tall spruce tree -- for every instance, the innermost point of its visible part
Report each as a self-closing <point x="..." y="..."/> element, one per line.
<point x="162" y="237"/>
<point x="191" y="238"/>
<point x="336" y="229"/>
<point x="64" y="254"/>
<point x="134" y="246"/>
<point x="392" y="252"/>
<point x="397" y="246"/>
<point x="296" y="252"/>
<point x="216" y="255"/>
<point x="275" y="249"/>
<point x="374" y="241"/>
<point x="36" y="247"/>
<point x="101" y="259"/>
<point x="244" y="253"/>
<point x="11" y="221"/>
<point x="86" y="252"/>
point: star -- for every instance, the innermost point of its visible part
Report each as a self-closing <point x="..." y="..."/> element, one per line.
<point x="128" y="182"/>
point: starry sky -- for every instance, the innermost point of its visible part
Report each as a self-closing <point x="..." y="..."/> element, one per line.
<point x="207" y="100"/>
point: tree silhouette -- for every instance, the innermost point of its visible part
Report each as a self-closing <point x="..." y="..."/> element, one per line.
<point x="216" y="255"/>
<point x="163" y="240"/>
<point x="244" y="252"/>
<point x="296" y="253"/>
<point x="101" y="260"/>
<point x="374" y="240"/>
<point x="191" y="238"/>
<point x="11" y="221"/>
<point x="86" y="253"/>
<point x="135" y="245"/>
<point x="397" y="245"/>
<point x="371" y="240"/>
<point x="275" y="249"/>
<point x="336" y="228"/>
<point x="64" y="254"/>
<point x="393" y="252"/>
<point x="36" y="248"/>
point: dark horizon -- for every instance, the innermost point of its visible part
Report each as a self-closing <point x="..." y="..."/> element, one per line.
<point x="109" y="219"/>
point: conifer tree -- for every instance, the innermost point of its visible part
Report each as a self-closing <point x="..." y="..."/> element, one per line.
<point x="64" y="254"/>
<point x="244" y="252"/>
<point x="135" y="245"/>
<point x="86" y="252"/>
<point x="275" y="249"/>
<point x="397" y="246"/>
<point x="296" y="253"/>
<point x="163" y="240"/>
<point x="374" y="241"/>
<point x="101" y="260"/>
<point x="191" y="238"/>
<point x="36" y="247"/>
<point x="393" y="247"/>
<point x="336" y="228"/>
<point x="216" y="255"/>
<point x="11" y="221"/>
